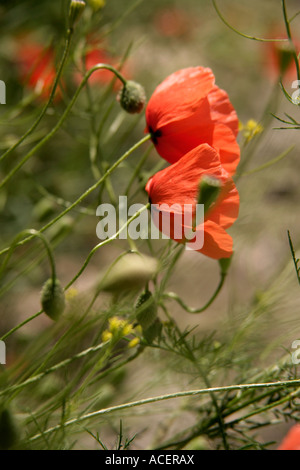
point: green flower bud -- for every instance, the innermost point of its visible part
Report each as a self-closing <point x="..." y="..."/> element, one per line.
<point x="8" y="431"/>
<point x="53" y="299"/>
<point x="132" y="97"/>
<point x="75" y="11"/>
<point x="209" y="190"/>
<point x="146" y="310"/>
<point x="130" y="273"/>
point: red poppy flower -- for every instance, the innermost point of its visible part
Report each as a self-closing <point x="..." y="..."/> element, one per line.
<point x="187" y="109"/>
<point x="292" y="439"/>
<point x="179" y="184"/>
<point x="36" y="67"/>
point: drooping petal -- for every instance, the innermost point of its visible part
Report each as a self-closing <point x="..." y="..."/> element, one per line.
<point x="179" y="182"/>
<point x="217" y="243"/>
<point x="175" y="190"/>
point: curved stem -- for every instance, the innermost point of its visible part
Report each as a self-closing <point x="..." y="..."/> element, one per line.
<point x="105" y="242"/>
<point x="86" y="193"/>
<point x="238" y="32"/>
<point x="173" y="296"/>
<point x="61" y="120"/>
<point x="33" y="233"/>
<point x="52" y="94"/>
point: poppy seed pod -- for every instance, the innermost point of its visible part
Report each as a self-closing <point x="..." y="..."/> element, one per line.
<point x="146" y="310"/>
<point x="132" y="97"/>
<point x="53" y="299"/>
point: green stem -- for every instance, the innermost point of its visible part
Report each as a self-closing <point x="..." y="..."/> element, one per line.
<point x="238" y="32"/>
<point x="288" y="30"/>
<point x="105" y="242"/>
<point x="33" y="233"/>
<point x="173" y="296"/>
<point x="58" y="366"/>
<point x="86" y="193"/>
<point x="156" y="399"/>
<point x="61" y="120"/>
<point x="52" y="94"/>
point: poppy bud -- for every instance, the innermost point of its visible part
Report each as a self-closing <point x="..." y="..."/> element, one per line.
<point x="129" y="274"/>
<point x="132" y="97"/>
<point x="147" y="310"/>
<point x="209" y="190"/>
<point x="53" y="299"/>
<point x="8" y="432"/>
<point x="75" y="11"/>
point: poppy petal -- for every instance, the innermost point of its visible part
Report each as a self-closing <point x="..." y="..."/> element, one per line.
<point x="178" y="96"/>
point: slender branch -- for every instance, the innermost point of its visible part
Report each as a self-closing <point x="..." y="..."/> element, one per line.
<point x="146" y="401"/>
<point x="52" y="94"/>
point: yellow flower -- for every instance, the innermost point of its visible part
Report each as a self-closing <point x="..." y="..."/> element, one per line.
<point x="96" y="4"/>
<point x="106" y="336"/>
<point x="251" y="129"/>
<point x="134" y="342"/>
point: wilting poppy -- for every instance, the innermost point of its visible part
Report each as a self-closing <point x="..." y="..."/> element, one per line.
<point x="178" y="185"/>
<point x="292" y="439"/>
<point x="36" y="67"/>
<point x="187" y="109"/>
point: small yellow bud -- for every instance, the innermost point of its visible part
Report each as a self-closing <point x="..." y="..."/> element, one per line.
<point x="251" y="129"/>
<point x="96" y="4"/>
<point x="106" y="336"/>
<point x="71" y="293"/>
<point x="134" y="342"/>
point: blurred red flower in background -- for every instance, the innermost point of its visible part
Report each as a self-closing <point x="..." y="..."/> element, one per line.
<point x="96" y="54"/>
<point x="187" y="109"/>
<point x="36" y="67"/>
<point x="278" y="57"/>
<point x="292" y="439"/>
<point x="172" y="22"/>
<point x="179" y="184"/>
